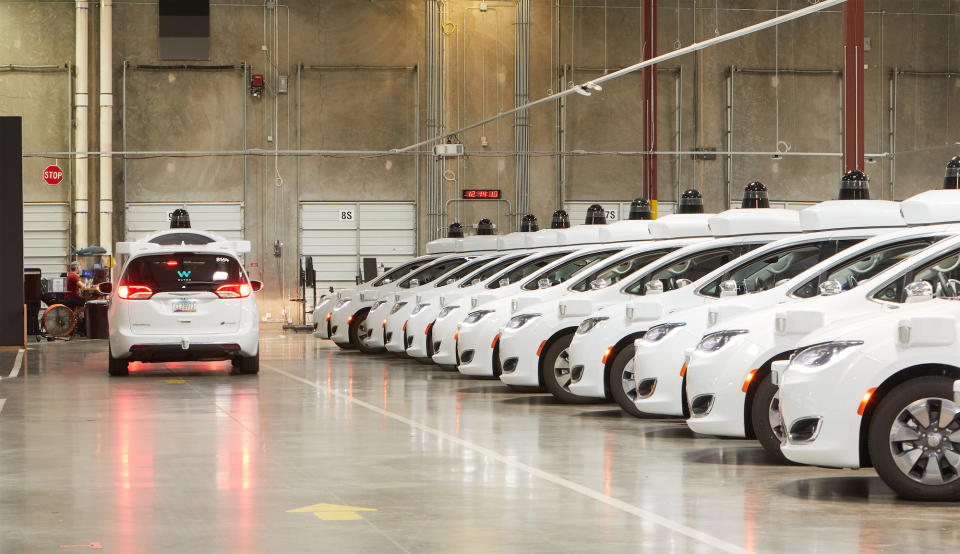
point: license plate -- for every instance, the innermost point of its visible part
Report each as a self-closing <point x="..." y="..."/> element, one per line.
<point x="184" y="306"/>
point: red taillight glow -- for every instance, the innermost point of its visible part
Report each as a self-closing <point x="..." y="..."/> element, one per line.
<point x="748" y="379"/>
<point x="171" y="262"/>
<point x="865" y="400"/>
<point x="606" y="355"/>
<point x="240" y="290"/>
<point x="134" y="292"/>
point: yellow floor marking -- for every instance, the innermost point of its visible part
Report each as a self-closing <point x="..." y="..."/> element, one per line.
<point x="174" y="381"/>
<point x="333" y="512"/>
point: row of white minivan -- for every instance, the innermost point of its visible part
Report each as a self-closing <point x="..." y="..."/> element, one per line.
<point x="828" y="334"/>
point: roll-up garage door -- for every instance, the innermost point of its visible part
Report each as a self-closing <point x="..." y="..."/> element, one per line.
<point x="224" y="218"/>
<point x="338" y="235"/>
<point x="46" y="232"/>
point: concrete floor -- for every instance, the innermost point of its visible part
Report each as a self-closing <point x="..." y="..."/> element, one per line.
<point x="187" y="458"/>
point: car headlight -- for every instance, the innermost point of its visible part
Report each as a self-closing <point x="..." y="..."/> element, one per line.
<point x="377" y="305"/>
<point x="715" y="341"/>
<point x="396" y="307"/>
<point x="657" y="332"/>
<point x="823" y="354"/>
<point x="417" y="309"/>
<point x="342" y="303"/>
<point x="588" y="324"/>
<point x="476" y="316"/>
<point x="519" y="321"/>
<point x="446" y="311"/>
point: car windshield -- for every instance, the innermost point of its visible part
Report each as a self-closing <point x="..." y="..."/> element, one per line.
<point x="683" y="271"/>
<point x="613" y="273"/>
<point x="566" y="270"/>
<point x="491" y="270"/>
<point x="523" y="270"/>
<point x="852" y="272"/>
<point x="467" y="269"/>
<point x="943" y="275"/>
<point x="766" y="271"/>
<point x="183" y="271"/>
<point x="431" y="272"/>
<point x="399" y="272"/>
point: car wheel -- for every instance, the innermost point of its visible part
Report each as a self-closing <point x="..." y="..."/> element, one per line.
<point x="914" y="440"/>
<point x="357" y="331"/>
<point x="765" y="418"/>
<point x="622" y="382"/>
<point x="555" y="372"/>
<point x="117" y="367"/>
<point x="248" y="366"/>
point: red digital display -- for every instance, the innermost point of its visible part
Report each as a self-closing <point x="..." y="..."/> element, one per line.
<point x="481" y="194"/>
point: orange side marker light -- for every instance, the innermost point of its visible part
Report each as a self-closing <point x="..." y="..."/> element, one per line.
<point x="865" y="400"/>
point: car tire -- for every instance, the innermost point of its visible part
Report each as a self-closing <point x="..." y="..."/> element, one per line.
<point x="932" y="393"/>
<point x="356" y="341"/>
<point x="764" y="418"/>
<point x="248" y="365"/>
<point x="557" y="379"/>
<point x="621" y="371"/>
<point x="117" y="367"/>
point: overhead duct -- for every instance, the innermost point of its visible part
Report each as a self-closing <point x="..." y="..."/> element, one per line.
<point x="755" y="196"/>
<point x="691" y="202"/>
<point x="854" y="185"/>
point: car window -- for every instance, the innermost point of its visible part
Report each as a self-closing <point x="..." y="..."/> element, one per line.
<point x="491" y="270"/>
<point x="183" y="271"/>
<point x="613" y="273"/>
<point x="399" y="272"/>
<point x="688" y="268"/>
<point x="567" y="269"/>
<point x="763" y="273"/>
<point x="852" y="272"/>
<point x="943" y="274"/>
<point x="431" y="272"/>
<point x="467" y="269"/>
<point x="524" y="270"/>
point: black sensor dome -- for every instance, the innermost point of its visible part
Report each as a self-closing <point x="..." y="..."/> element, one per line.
<point x="952" y="179"/>
<point x="179" y="219"/>
<point x="755" y="196"/>
<point x="456" y="231"/>
<point x="855" y="185"/>
<point x="485" y="227"/>
<point x="529" y="224"/>
<point x="560" y="220"/>
<point x="691" y="202"/>
<point x="596" y="215"/>
<point x="640" y="209"/>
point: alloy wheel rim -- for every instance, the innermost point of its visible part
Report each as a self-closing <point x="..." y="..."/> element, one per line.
<point x="925" y="441"/>
<point x="628" y="381"/>
<point x="773" y="416"/>
<point x="561" y="370"/>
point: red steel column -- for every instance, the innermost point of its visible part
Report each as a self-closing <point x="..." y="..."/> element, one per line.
<point x="650" y="101"/>
<point x="853" y="60"/>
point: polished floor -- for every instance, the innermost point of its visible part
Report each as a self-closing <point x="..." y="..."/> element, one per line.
<point x="187" y="458"/>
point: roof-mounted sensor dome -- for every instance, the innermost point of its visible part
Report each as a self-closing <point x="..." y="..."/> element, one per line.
<point x="485" y="227"/>
<point x="596" y="215"/>
<point x="560" y="220"/>
<point x="755" y="196"/>
<point x="456" y="231"/>
<point x="640" y="209"/>
<point x="179" y="219"/>
<point x="691" y="202"/>
<point x="952" y="179"/>
<point x="855" y="185"/>
<point x="529" y="224"/>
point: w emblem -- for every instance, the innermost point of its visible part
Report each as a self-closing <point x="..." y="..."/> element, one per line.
<point x="183" y="274"/>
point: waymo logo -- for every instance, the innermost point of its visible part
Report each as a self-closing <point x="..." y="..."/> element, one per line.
<point x="183" y="274"/>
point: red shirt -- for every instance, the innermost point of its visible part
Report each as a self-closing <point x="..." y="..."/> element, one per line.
<point x="73" y="286"/>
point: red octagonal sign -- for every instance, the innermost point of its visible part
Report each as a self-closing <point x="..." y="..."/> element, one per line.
<point x="53" y="175"/>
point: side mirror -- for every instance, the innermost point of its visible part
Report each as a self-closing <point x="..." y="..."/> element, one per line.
<point x="598" y="284"/>
<point x="831" y="287"/>
<point x="504" y="282"/>
<point x="414" y="283"/>
<point x="105" y="288"/>
<point x="255" y="286"/>
<point x="919" y="291"/>
<point x="654" y="287"/>
<point x="728" y="288"/>
<point x="682" y="283"/>
<point x="543" y="283"/>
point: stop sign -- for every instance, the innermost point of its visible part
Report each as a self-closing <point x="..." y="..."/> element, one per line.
<point x="53" y="175"/>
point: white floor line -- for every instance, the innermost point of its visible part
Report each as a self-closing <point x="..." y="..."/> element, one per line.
<point x="16" y="364"/>
<point x="2" y="402"/>
<point x="647" y="515"/>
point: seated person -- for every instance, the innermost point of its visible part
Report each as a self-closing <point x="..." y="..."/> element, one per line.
<point x="75" y="286"/>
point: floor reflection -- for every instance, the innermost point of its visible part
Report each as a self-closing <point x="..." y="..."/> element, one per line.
<point x="749" y="456"/>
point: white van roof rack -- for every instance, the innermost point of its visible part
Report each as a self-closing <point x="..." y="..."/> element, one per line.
<point x="681" y="226"/>
<point x="851" y="214"/>
<point x="755" y="221"/>
<point x="931" y="207"/>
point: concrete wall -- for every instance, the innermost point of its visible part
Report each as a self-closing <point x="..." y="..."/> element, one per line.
<point x="365" y="109"/>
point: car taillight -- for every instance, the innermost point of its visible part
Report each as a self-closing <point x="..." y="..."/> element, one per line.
<point x="134" y="292"/>
<point x="241" y="290"/>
